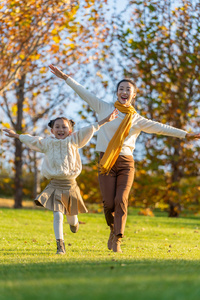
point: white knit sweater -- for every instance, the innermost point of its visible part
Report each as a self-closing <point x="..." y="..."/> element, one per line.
<point x="62" y="159"/>
<point x="107" y="131"/>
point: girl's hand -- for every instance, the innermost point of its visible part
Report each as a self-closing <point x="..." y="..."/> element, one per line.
<point x="192" y="136"/>
<point x="58" y="72"/>
<point x="109" y="118"/>
<point x="113" y="115"/>
<point x="11" y="133"/>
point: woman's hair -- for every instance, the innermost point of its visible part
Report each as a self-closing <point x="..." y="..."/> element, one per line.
<point x="133" y="84"/>
<point x="70" y="122"/>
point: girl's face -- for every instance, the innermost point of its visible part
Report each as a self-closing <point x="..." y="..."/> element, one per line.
<point x="125" y="93"/>
<point x="60" y="129"/>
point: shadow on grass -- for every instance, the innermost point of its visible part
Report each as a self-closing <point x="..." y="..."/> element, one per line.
<point x="111" y="279"/>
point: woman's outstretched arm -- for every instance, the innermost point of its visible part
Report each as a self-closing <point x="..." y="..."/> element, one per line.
<point x="96" y="104"/>
<point x="150" y="126"/>
<point x="58" y="72"/>
<point x="192" y="136"/>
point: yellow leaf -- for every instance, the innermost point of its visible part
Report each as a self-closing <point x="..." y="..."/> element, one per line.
<point x="27" y="109"/>
<point x="56" y="39"/>
<point x="35" y="57"/>
<point x="72" y="46"/>
<point x="43" y="70"/>
<point x="142" y="172"/>
<point x="85" y="197"/>
<point x="6" y="125"/>
<point x="14" y="110"/>
<point x="82" y="186"/>
<point x="54" y="48"/>
<point x="99" y="74"/>
<point x="146" y="212"/>
<point x="26" y="191"/>
<point x="6" y="180"/>
<point x="54" y="32"/>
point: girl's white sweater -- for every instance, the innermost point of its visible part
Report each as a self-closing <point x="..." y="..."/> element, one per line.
<point x="62" y="159"/>
<point x="107" y="131"/>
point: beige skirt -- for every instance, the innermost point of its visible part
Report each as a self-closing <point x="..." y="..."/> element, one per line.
<point x="63" y="196"/>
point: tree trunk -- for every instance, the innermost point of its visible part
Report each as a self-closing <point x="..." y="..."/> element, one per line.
<point x="18" y="146"/>
<point x="36" y="188"/>
<point x="175" y="206"/>
<point x="174" y="209"/>
<point x="18" y="174"/>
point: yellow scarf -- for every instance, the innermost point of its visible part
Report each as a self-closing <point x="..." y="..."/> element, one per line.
<point x="115" y="145"/>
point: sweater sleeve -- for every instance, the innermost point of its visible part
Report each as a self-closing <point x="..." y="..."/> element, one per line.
<point x="35" y="143"/>
<point x="84" y="135"/>
<point x="150" y="126"/>
<point x="96" y="104"/>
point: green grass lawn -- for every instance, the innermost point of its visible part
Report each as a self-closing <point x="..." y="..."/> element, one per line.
<point x="160" y="259"/>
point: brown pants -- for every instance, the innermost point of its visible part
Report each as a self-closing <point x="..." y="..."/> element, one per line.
<point x="115" y="188"/>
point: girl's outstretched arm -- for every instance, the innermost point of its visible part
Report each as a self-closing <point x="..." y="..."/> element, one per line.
<point x="109" y="118"/>
<point x="11" y="133"/>
<point x="35" y="143"/>
<point x="84" y="135"/>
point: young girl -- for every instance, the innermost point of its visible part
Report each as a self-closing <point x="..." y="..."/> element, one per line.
<point x="62" y="164"/>
<point x="116" y="143"/>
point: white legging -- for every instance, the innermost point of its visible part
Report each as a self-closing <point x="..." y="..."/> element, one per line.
<point x="58" y="223"/>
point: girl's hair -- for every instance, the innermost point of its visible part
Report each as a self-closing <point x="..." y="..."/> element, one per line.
<point x="134" y="85"/>
<point x="70" y="122"/>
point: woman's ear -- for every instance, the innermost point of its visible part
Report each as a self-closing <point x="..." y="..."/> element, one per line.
<point x="52" y="130"/>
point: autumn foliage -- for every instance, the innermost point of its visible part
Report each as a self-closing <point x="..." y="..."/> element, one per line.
<point x="33" y="34"/>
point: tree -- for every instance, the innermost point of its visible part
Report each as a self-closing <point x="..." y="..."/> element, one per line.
<point x="34" y="33"/>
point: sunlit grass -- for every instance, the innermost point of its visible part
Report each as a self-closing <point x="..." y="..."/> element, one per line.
<point x="160" y="259"/>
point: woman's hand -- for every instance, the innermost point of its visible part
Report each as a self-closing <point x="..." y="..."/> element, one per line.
<point x="58" y="72"/>
<point x="192" y="136"/>
<point x="11" y="133"/>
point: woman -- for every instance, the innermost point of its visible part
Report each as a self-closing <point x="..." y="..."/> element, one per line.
<point x="116" y="142"/>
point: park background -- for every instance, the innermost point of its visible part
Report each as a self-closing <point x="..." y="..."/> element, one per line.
<point x="155" y="43"/>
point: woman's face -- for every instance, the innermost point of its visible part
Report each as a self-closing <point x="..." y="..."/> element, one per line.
<point x="60" y="129"/>
<point x="125" y="93"/>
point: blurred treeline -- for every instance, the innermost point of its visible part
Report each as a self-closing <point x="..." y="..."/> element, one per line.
<point x="148" y="191"/>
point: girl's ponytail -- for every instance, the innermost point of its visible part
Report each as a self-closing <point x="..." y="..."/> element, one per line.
<point x="72" y="123"/>
<point x="51" y="123"/>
